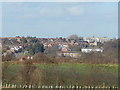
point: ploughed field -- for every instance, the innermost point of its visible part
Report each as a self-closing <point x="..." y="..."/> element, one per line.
<point x="61" y="74"/>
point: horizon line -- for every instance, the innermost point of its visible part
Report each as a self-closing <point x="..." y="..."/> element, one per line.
<point x="54" y="37"/>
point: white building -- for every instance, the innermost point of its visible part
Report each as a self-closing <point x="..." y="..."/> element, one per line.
<point x="88" y="50"/>
<point x="69" y="54"/>
<point x="96" y="39"/>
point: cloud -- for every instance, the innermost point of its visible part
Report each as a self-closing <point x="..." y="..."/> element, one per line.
<point x="30" y="10"/>
<point x="77" y="11"/>
<point x="54" y="12"/>
<point x="44" y="11"/>
<point x="51" y="11"/>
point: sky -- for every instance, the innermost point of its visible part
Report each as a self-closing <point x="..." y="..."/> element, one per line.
<point x="60" y="19"/>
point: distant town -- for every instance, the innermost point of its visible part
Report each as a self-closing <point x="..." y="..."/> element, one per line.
<point x="72" y="46"/>
<point x="59" y="45"/>
<point x="59" y="61"/>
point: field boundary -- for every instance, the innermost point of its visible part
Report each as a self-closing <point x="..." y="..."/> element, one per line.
<point x="75" y="87"/>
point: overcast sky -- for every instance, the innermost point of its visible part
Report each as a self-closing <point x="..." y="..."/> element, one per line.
<point x="60" y="19"/>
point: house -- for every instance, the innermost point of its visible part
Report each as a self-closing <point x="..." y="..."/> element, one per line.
<point x="83" y="43"/>
<point x="64" y="49"/>
<point x="76" y="43"/>
<point x="94" y="43"/>
<point x="24" y="58"/>
<point x="69" y="54"/>
<point x="16" y="49"/>
<point x="49" y="45"/>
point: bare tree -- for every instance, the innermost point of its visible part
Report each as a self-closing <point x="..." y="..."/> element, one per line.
<point x="73" y="37"/>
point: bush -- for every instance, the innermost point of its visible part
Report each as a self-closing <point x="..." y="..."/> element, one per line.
<point x="41" y="58"/>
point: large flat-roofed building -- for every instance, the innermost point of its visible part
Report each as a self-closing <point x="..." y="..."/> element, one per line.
<point x="88" y="50"/>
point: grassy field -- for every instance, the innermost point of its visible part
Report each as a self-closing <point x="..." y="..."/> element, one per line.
<point x="70" y="73"/>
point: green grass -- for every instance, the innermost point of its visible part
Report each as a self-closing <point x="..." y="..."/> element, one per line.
<point x="94" y="74"/>
<point x="81" y="67"/>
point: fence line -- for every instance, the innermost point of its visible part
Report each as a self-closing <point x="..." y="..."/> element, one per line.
<point x="75" y="87"/>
